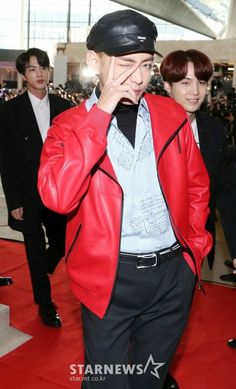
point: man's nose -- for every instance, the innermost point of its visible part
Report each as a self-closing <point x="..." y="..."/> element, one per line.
<point x="137" y="76"/>
<point x="39" y="71"/>
<point x="195" y="89"/>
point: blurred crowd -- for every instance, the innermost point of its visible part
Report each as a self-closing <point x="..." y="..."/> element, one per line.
<point x="71" y="91"/>
<point x="219" y="104"/>
<point x="223" y="106"/>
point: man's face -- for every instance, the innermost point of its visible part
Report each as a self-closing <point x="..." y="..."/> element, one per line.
<point x="36" y="76"/>
<point x="138" y="80"/>
<point x="189" y="92"/>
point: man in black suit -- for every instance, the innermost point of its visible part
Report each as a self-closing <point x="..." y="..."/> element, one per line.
<point x="185" y="75"/>
<point x="24" y="123"/>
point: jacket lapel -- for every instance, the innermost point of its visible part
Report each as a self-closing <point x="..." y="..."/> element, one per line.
<point x="30" y="128"/>
<point x="203" y="136"/>
<point x="162" y="126"/>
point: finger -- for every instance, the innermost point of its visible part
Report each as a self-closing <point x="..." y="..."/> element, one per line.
<point x="17" y="214"/>
<point x="127" y="89"/>
<point x="14" y="214"/>
<point x="121" y="78"/>
<point x="126" y="74"/>
<point x="111" y="70"/>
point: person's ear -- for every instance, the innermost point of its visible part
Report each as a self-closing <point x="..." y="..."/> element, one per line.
<point x="93" y="61"/>
<point x="167" y="87"/>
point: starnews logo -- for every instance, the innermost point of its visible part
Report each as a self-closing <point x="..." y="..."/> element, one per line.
<point x="99" y="372"/>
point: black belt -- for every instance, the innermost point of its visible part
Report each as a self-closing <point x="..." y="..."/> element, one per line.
<point x="150" y="259"/>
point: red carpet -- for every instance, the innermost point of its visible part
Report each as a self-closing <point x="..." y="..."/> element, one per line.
<point x="203" y="360"/>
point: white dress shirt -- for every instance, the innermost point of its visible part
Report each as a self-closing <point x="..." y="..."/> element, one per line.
<point x="42" y="113"/>
<point x="195" y="132"/>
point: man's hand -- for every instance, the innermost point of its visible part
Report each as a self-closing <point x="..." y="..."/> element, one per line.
<point x="17" y="213"/>
<point x="115" y="89"/>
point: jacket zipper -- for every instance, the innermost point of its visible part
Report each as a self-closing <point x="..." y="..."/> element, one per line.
<point x="122" y="205"/>
<point x="173" y="224"/>
<point x="73" y="243"/>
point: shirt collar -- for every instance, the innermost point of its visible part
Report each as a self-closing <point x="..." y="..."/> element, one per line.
<point x="36" y="101"/>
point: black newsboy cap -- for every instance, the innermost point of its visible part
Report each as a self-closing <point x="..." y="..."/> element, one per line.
<point x="123" y="32"/>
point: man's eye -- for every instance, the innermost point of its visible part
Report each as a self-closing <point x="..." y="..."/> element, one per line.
<point x="148" y="66"/>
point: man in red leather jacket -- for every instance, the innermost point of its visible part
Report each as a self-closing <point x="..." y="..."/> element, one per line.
<point x="125" y="168"/>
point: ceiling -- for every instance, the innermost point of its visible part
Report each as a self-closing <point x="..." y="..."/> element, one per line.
<point x="214" y="19"/>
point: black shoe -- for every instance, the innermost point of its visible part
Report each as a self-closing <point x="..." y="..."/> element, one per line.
<point x="232" y="343"/>
<point x="5" y="281"/>
<point x="49" y="315"/>
<point x="231" y="277"/>
<point x="229" y="263"/>
<point x="170" y="382"/>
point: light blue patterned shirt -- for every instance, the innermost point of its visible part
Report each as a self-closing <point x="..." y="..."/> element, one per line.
<point x="146" y="224"/>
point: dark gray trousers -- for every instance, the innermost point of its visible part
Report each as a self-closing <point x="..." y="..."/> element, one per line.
<point x="142" y="328"/>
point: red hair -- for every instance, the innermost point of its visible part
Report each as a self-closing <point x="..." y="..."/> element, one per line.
<point x="174" y="66"/>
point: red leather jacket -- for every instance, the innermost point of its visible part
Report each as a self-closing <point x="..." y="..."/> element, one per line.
<point x="76" y="178"/>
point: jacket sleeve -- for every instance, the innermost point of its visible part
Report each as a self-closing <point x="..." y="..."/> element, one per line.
<point x="10" y="164"/>
<point x="200" y="240"/>
<point x="75" y="143"/>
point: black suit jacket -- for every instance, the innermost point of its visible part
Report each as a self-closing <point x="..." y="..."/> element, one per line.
<point x="20" y="149"/>
<point x="222" y="174"/>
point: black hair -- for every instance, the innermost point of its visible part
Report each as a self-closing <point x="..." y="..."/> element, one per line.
<point x="24" y="59"/>
<point x="174" y="66"/>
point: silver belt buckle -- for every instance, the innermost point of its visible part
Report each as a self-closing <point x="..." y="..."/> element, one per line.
<point x="152" y="255"/>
